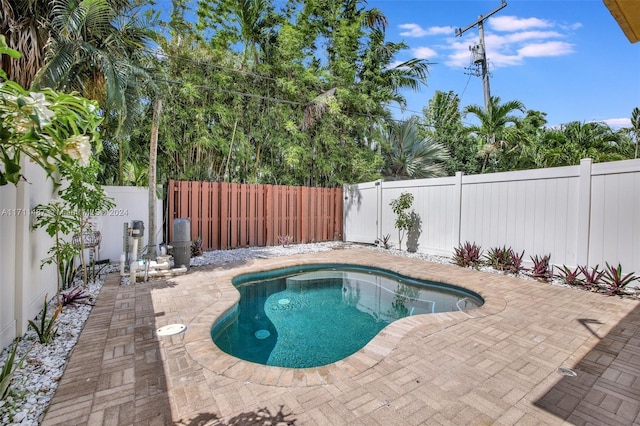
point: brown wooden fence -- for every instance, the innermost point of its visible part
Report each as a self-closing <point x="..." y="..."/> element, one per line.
<point x="232" y="215"/>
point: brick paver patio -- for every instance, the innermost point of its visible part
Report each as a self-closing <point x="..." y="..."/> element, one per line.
<point x="498" y="364"/>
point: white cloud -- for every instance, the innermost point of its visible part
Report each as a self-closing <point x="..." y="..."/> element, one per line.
<point x="513" y="23"/>
<point x="530" y="35"/>
<point x="551" y="48"/>
<point x="571" y="27"/>
<point x="617" y="123"/>
<point x="424" y="52"/>
<point x="415" y="30"/>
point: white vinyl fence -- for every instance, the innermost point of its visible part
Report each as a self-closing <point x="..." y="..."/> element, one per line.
<point x="23" y="284"/>
<point x="581" y="215"/>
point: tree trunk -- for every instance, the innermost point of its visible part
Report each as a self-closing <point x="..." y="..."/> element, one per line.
<point x="153" y="153"/>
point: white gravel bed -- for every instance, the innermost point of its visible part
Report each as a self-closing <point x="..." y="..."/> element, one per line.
<point x="35" y="382"/>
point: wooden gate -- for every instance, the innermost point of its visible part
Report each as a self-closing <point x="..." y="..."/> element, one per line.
<point x="232" y="215"/>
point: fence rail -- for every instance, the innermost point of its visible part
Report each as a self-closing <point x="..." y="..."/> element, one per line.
<point x="232" y="215"/>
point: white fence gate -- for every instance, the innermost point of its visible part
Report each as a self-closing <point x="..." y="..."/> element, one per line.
<point x="581" y="215"/>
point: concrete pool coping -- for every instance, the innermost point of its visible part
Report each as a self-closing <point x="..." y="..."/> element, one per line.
<point x="502" y="364"/>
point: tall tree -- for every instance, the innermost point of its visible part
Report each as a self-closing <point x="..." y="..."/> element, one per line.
<point x="97" y="47"/>
<point x="443" y="122"/>
<point x="635" y="129"/>
<point x="493" y="129"/>
<point x="409" y="156"/>
<point x="571" y="142"/>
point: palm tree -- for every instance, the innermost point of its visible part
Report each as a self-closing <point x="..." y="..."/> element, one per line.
<point x="252" y="20"/>
<point x="96" y="47"/>
<point x="442" y="112"/>
<point x="493" y="124"/>
<point x="592" y="140"/>
<point x="411" y="157"/>
<point x="635" y="128"/>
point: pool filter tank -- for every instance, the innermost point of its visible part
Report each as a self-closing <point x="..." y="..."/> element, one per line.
<point x="181" y="242"/>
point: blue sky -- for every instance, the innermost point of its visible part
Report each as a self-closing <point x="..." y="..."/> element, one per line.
<point x="568" y="58"/>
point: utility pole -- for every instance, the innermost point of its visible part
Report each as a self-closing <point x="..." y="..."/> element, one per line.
<point x="480" y="53"/>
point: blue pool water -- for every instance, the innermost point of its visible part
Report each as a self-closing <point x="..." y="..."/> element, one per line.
<point x="314" y="315"/>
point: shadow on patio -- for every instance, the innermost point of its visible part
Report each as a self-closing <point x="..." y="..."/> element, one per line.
<point x="606" y="386"/>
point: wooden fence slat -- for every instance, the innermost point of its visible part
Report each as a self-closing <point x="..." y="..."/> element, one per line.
<point x="244" y="215"/>
<point x="206" y="214"/>
<point x="270" y="201"/>
<point x="224" y="216"/>
<point x="233" y="216"/>
<point x="215" y="216"/>
<point x="260" y="213"/>
<point x="326" y="215"/>
<point x="194" y="209"/>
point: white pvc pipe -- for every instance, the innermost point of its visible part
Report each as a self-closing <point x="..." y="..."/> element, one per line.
<point x="134" y="250"/>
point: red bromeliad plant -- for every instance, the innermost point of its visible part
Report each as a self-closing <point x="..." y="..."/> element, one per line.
<point x="505" y="259"/>
<point x="591" y="276"/>
<point x="515" y="263"/>
<point x="498" y="258"/>
<point x="615" y="280"/>
<point x="468" y="255"/>
<point x="569" y="276"/>
<point x="541" y="269"/>
<point x="75" y="296"/>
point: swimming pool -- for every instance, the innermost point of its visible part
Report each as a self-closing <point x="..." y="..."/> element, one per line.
<point x="314" y="315"/>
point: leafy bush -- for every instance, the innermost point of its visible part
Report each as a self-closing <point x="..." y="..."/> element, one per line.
<point x="75" y="296"/>
<point x="8" y="370"/>
<point x="68" y="272"/>
<point x="405" y="220"/>
<point x="592" y="277"/>
<point x="45" y="328"/>
<point x="385" y="241"/>
<point x="569" y="276"/>
<point x="541" y="269"/>
<point x="614" y="279"/>
<point x="497" y="258"/>
<point x="468" y="255"/>
<point x="505" y="259"/>
<point x="515" y="265"/>
<point x="196" y="247"/>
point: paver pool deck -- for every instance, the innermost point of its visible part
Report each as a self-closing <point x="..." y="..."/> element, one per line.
<point x="498" y="364"/>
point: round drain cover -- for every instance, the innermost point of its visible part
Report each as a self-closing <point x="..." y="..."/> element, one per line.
<point x="262" y="334"/>
<point x="171" y="329"/>
<point x="567" y="372"/>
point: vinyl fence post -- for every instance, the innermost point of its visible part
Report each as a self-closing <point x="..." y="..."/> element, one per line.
<point x="584" y="212"/>
<point x="379" y="212"/>
<point x="457" y="210"/>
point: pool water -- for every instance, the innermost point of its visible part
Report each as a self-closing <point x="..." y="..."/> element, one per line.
<point x="316" y="315"/>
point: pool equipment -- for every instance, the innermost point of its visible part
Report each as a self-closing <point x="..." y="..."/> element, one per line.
<point x="181" y="242"/>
